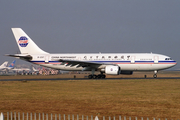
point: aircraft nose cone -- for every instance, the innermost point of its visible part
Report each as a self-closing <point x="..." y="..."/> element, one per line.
<point x="175" y="63"/>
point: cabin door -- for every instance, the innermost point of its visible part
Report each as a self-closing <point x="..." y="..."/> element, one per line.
<point x="47" y="59"/>
<point x="132" y="59"/>
<point x="156" y="59"/>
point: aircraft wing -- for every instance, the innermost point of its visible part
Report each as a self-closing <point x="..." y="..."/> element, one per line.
<point x="81" y="63"/>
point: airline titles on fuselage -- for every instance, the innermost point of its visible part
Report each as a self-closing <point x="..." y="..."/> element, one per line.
<point x="95" y="57"/>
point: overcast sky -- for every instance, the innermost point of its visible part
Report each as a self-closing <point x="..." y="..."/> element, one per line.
<point x="92" y="26"/>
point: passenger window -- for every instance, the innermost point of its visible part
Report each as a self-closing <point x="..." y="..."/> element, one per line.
<point x="168" y="59"/>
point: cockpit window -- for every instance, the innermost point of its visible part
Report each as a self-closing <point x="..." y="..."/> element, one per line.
<point x="168" y="59"/>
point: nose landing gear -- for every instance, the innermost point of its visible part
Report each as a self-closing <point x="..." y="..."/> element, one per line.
<point x="155" y="74"/>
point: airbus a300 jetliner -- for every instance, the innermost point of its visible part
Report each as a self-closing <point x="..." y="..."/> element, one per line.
<point x="105" y="63"/>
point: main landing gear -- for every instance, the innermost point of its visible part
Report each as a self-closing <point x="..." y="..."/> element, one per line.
<point x="155" y="74"/>
<point x="93" y="76"/>
<point x="100" y="76"/>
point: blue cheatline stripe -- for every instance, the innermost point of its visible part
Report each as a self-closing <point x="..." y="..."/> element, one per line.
<point x="144" y="61"/>
<point x="110" y="61"/>
<point x="44" y="61"/>
<point x="168" y="61"/>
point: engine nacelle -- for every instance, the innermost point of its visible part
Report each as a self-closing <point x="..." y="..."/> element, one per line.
<point x="112" y="70"/>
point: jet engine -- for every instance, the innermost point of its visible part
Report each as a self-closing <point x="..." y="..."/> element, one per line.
<point x="112" y="70"/>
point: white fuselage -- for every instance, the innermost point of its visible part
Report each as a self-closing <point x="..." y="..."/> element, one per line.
<point x="126" y="61"/>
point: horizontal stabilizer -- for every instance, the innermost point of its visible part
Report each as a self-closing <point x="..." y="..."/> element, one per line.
<point x="21" y="56"/>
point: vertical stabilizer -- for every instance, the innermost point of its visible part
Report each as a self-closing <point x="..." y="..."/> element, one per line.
<point x="25" y="43"/>
<point x="4" y="64"/>
<point x="12" y="64"/>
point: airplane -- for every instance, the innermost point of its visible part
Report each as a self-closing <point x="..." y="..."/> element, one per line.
<point x="105" y="63"/>
<point x="4" y="65"/>
<point x="34" y="69"/>
<point x="21" y="69"/>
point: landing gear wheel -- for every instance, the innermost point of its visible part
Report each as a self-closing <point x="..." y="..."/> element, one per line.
<point x="94" y="76"/>
<point x="90" y="76"/>
<point x="100" y="76"/>
<point x="155" y="75"/>
<point x="103" y="76"/>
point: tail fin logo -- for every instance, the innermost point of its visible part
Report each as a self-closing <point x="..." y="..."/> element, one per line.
<point x="12" y="64"/>
<point x="23" y="41"/>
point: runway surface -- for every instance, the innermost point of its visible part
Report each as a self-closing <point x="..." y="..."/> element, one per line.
<point x="46" y="79"/>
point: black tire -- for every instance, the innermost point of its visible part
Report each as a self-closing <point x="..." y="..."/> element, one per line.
<point x="99" y="76"/>
<point x="90" y="76"/>
<point x="155" y="76"/>
<point x="94" y="76"/>
<point x="103" y="76"/>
